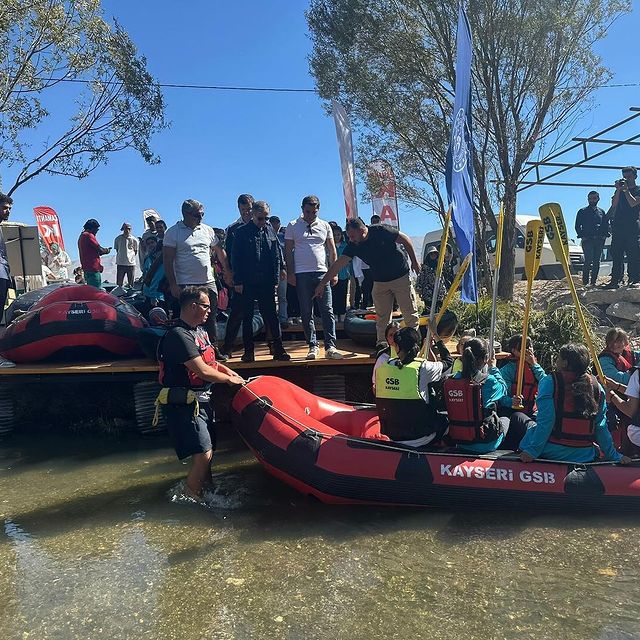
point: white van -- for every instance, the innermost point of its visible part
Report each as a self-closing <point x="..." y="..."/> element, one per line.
<point x="550" y="269"/>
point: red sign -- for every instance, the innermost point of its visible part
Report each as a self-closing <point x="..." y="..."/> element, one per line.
<point x="49" y="226"/>
<point x="382" y="181"/>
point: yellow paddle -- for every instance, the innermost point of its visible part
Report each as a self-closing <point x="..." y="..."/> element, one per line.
<point x="436" y="285"/>
<point x="556" y="230"/>
<point x="447" y="299"/>
<point x="534" y="239"/>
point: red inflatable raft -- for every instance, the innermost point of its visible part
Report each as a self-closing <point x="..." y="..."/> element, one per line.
<point x="336" y="453"/>
<point x="73" y="322"/>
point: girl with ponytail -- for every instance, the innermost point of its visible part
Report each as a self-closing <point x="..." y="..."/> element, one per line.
<point x="496" y="432"/>
<point x="571" y="414"/>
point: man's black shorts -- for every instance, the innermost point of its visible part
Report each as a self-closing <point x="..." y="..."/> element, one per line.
<point x="190" y="434"/>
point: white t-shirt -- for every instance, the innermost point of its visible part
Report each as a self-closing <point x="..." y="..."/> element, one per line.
<point x="192" y="264"/>
<point x="633" y="391"/>
<point x="309" y="244"/>
<point x="126" y="250"/>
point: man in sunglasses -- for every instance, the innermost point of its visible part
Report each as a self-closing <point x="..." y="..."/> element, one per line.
<point x="186" y="255"/>
<point x="258" y="268"/>
<point x="309" y="252"/>
<point x="188" y="363"/>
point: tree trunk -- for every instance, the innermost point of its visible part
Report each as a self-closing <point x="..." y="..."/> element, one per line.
<point x="507" y="264"/>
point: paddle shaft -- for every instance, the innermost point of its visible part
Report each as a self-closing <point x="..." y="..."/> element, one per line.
<point x="436" y="284"/>
<point x="496" y="282"/>
<point x="576" y="302"/>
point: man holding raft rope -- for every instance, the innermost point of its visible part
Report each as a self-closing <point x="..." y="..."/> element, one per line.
<point x="188" y="368"/>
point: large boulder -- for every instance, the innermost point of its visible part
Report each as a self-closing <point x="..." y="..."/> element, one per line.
<point x="609" y="296"/>
<point x="624" y="310"/>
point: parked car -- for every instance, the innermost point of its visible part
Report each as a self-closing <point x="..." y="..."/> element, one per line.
<point x="550" y="269"/>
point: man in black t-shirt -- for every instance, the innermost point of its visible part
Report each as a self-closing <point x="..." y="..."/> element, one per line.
<point x="625" y="229"/>
<point x="377" y="245"/>
<point x="188" y="363"/>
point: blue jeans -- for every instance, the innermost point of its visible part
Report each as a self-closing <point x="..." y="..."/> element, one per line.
<point x="592" y="250"/>
<point x="306" y="284"/>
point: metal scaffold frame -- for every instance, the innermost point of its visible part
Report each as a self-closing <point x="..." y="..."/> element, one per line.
<point x="554" y="160"/>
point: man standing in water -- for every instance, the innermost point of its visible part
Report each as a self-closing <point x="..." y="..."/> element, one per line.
<point x="188" y="364"/>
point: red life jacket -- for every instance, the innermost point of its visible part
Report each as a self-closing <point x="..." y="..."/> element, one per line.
<point x="463" y="399"/>
<point x="529" y="387"/>
<point x="624" y="361"/>
<point x="206" y="351"/>
<point x="571" y="428"/>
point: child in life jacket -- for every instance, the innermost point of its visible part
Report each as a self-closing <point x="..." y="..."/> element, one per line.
<point x="467" y="334"/>
<point x="571" y="414"/>
<point x="618" y="361"/>
<point x="407" y="412"/>
<point x="533" y="373"/>
<point x="390" y="351"/>
<point x="471" y="398"/>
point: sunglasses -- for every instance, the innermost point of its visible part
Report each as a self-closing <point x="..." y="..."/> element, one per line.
<point x="309" y="229"/>
<point x="203" y="305"/>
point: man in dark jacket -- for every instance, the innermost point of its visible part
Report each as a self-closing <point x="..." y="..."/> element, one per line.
<point x="245" y="201"/>
<point x="258" y="267"/>
<point x="592" y="228"/>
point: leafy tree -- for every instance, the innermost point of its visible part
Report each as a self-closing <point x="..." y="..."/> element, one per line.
<point x="392" y="62"/>
<point x="63" y="52"/>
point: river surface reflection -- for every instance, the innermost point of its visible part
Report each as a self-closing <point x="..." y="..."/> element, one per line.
<point x="91" y="547"/>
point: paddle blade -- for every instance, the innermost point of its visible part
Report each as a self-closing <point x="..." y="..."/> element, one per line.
<point x="559" y="241"/>
<point x="534" y="239"/>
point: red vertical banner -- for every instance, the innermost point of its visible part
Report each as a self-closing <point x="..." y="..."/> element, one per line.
<point x="49" y="226"/>
<point x="382" y="182"/>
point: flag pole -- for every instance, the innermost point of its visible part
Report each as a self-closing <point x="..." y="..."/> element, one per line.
<point x="496" y="281"/>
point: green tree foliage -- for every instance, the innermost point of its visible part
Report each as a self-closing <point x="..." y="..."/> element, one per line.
<point x="549" y="329"/>
<point x="392" y="62"/>
<point x="63" y="52"/>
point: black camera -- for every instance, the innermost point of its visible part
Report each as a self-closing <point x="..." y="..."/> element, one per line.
<point x="621" y="183"/>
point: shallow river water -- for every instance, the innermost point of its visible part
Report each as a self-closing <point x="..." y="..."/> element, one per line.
<point x="91" y="547"/>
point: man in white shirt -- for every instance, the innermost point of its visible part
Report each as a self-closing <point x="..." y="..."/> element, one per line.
<point x="126" y="246"/>
<point x="308" y="242"/>
<point x="186" y="255"/>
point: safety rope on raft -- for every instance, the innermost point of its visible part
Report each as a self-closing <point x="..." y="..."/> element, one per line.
<point x="305" y="430"/>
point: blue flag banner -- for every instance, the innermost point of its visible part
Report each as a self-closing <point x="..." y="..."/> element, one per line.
<point x="459" y="169"/>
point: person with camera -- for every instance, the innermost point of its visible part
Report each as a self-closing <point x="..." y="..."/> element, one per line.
<point x="625" y="229"/>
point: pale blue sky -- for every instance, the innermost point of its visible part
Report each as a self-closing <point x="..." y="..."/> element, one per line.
<point x="278" y="147"/>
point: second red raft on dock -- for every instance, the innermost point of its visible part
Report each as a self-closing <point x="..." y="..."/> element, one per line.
<point x="73" y="322"/>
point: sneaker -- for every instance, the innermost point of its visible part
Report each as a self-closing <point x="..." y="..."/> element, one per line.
<point x="333" y="354"/>
<point x="313" y="353"/>
<point x="611" y="285"/>
<point x="283" y="356"/>
<point x="6" y="364"/>
<point x="220" y="357"/>
<point x="248" y="357"/>
<point x="634" y="285"/>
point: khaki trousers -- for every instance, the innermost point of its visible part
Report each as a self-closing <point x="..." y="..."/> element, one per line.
<point x="383" y="294"/>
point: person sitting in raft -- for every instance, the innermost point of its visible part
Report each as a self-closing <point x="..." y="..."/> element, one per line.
<point x="403" y="395"/>
<point x="471" y="397"/>
<point x="629" y="406"/>
<point x="618" y="361"/>
<point x="533" y="373"/>
<point x="467" y="334"/>
<point x="571" y="414"/>
<point x="384" y="355"/>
